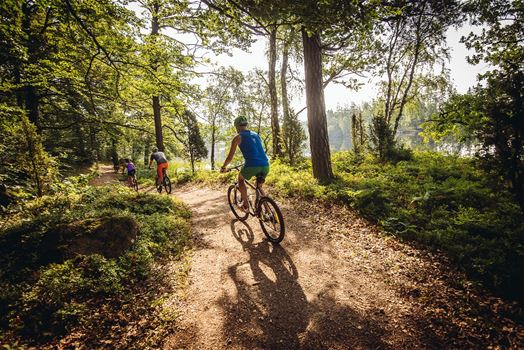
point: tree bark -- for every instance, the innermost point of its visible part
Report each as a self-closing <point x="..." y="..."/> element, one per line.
<point x="95" y="151"/>
<point x="213" y="137"/>
<point x="114" y="153"/>
<point x="158" y="123"/>
<point x="275" y="128"/>
<point x="147" y="151"/>
<point x="31" y="97"/>
<point x="316" y="108"/>
<point x="285" y="101"/>
<point x="155" y="26"/>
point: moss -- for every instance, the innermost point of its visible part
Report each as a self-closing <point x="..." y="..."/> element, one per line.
<point x="61" y="252"/>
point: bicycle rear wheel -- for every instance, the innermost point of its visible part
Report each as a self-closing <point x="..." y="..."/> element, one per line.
<point x="135" y="183"/>
<point x="167" y="184"/>
<point x="271" y="220"/>
<point x="234" y="199"/>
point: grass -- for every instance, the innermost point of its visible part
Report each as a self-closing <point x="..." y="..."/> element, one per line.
<point x="442" y="202"/>
<point x="45" y="289"/>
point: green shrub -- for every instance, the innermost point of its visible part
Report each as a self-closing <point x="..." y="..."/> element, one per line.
<point x="43" y="290"/>
<point x="444" y="202"/>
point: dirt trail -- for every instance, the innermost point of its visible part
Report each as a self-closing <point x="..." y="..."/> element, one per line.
<point x="314" y="291"/>
<point x="107" y="176"/>
<point x="335" y="282"/>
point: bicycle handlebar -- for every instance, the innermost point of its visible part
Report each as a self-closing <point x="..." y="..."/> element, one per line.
<point x="235" y="167"/>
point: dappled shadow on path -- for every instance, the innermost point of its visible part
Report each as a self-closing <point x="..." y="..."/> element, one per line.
<point x="270" y="309"/>
<point x="209" y="210"/>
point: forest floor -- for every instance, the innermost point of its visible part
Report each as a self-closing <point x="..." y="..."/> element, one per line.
<point x="335" y="282"/>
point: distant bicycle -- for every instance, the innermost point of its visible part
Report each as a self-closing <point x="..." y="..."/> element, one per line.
<point x="166" y="183"/>
<point x="133" y="183"/>
<point x="264" y="208"/>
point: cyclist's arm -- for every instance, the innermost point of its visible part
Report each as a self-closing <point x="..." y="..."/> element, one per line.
<point x="232" y="150"/>
<point x="150" y="161"/>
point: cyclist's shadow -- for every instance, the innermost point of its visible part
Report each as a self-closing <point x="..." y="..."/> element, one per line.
<point x="271" y="309"/>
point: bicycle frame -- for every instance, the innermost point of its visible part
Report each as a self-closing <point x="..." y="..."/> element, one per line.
<point x="258" y="193"/>
<point x="263" y="207"/>
<point x="164" y="175"/>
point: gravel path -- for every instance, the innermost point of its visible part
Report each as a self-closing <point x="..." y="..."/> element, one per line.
<point x="335" y="282"/>
<point x="310" y="292"/>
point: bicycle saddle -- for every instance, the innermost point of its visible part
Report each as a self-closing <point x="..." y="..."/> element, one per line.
<point x="261" y="178"/>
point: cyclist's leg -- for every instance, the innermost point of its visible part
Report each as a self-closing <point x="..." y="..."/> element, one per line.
<point x="164" y="167"/>
<point x="243" y="191"/>
<point x="159" y="175"/>
<point x="130" y="176"/>
<point x="261" y="178"/>
<point x="259" y="185"/>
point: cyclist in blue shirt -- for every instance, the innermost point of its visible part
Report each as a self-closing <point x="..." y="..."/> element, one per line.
<point x="256" y="162"/>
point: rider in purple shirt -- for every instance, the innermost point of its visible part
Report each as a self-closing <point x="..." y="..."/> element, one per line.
<point x="131" y="170"/>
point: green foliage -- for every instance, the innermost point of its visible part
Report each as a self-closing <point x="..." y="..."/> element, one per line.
<point x="491" y="116"/>
<point x="194" y="147"/>
<point x="444" y="202"/>
<point x="23" y="160"/>
<point x="383" y="144"/>
<point x="492" y="113"/>
<point x="293" y="136"/>
<point x="45" y="289"/>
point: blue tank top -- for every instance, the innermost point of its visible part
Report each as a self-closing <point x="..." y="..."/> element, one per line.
<point x="252" y="150"/>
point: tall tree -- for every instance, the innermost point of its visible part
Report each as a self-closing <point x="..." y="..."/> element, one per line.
<point x="316" y="107"/>
<point x="220" y="97"/>
<point x="493" y="112"/>
<point x="69" y="81"/>
<point x="155" y="27"/>
<point x="292" y="134"/>
<point x="188" y="133"/>
<point x="275" y="126"/>
<point x="415" y="42"/>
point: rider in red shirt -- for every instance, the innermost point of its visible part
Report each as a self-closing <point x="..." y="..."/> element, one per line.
<point x="161" y="163"/>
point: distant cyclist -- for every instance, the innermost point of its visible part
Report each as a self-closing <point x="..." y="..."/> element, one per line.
<point x="131" y="171"/>
<point x="161" y="163"/>
<point x="256" y="162"/>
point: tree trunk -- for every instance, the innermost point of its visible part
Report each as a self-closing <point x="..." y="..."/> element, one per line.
<point x="192" y="163"/>
<point x="155" y="26"/>
<point x="354" y="133"/>
<point x="316" y="109"/>
<point x="32" y="99"/>
<point x="147" y="151"/>
<point x="275" y="128"/>
<point x="213" y="136"/>
<point x="114" y="153"/>
<point x="285" y="103"/>
<point x="95" y="152"/>
<point x="158" y="123"/>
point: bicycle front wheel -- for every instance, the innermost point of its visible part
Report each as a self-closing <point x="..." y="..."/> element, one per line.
<point x="235" y="198"/>
<point x="135" y="184"/>
<point x="271" y="220"/>
<point x="167" y="184"/>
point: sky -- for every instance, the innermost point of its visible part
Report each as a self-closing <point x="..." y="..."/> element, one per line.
<point x="463" y="74"/>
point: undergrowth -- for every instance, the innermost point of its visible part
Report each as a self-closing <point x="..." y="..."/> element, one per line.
<point x="440" y="201"/>
<point x="45" y="289"/>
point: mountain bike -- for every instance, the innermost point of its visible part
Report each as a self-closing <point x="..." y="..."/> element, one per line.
<point x="133" y="183"/>
<point x="263" y="207"/>
<point x="166" y="183"/>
